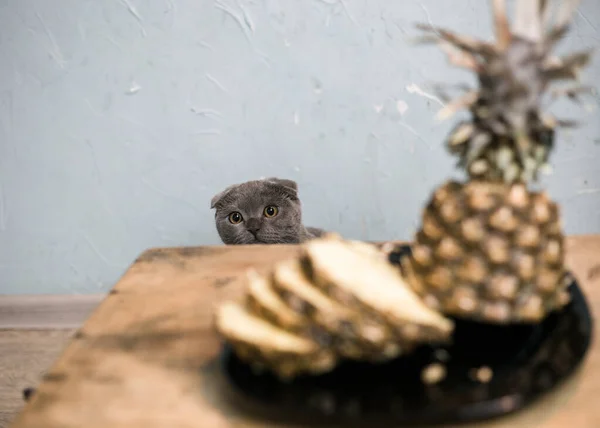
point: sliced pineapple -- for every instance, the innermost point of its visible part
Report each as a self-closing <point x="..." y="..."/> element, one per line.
<point x="291" y="316"/>
<point x="372" y="285"/>
<point x="264" y="302"/>
<point x="354" y="334"/>
<point x="264" y="345"/>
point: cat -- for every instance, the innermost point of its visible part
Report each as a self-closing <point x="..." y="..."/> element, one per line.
<point x="266" y="211"/>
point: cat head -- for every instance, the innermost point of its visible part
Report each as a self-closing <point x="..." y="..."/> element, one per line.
<point x="259" y="212"/>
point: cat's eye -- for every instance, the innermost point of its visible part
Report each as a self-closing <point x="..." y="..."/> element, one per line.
<point x="235" y="217"/>
<point x="271" y="211"/>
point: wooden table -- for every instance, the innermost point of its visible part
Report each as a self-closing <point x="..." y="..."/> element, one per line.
<point x="146" y="356"/>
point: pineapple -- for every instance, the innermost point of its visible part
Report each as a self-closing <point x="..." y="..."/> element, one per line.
<point x="266" y="345"/>
<point x="367" y="284"/>
<point x="337" y="300"/>
<point x="490" y="249"/>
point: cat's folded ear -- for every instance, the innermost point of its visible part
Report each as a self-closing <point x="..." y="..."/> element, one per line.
<point x="289" y="186"/>
<point x="283" y="182"/>
<point x="219" y="196"/>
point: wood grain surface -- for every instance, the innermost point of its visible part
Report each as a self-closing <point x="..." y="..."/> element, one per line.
<point x="147" y="356"/>
<point x="46" y="312"/>
<point x="25" y="355"/>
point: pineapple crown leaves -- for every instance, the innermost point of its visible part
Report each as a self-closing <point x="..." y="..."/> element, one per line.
<point x="514" y="74"/>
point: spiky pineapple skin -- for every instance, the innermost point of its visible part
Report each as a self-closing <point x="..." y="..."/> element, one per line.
<point x="489" y="252"/>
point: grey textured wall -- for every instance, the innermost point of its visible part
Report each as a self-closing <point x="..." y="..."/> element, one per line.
<point x="119" y="119"/>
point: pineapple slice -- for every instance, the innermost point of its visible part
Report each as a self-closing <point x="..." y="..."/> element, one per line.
<point x="372" y="285"/>
<point x="262" y="301"/>
<point x="264" y="345"/>
<point x="354" y="334"/>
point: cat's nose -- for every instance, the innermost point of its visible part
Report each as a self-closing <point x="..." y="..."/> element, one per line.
<point x="253" y="226"/>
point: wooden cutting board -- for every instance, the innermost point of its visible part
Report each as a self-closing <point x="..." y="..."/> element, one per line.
<point x="147" y="357"/>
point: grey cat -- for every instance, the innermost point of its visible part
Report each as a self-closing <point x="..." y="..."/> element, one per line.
<point x="261" y="212"/>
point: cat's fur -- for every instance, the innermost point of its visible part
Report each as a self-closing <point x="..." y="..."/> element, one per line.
<point x="250" y="199"/>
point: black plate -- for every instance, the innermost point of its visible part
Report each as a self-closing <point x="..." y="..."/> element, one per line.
<point x="527" y="361"/>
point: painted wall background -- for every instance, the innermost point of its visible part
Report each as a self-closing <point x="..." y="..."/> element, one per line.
<point x="119" y="120"/>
